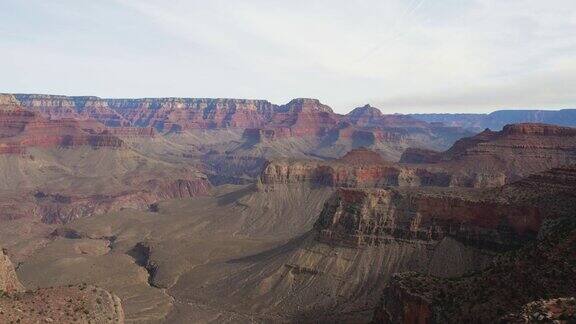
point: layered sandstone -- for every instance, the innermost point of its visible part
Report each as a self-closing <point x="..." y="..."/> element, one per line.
<point x="261" y="119"/>
<point x="493" y="159"/>
<point x="56" y="208"/>
<point x="21" y="129"/>
<point x="503" y="292"/>
<point x="420" y="156"/>
<point x="374" y="216"/>
<point x="529" y="284"/>
<point x="358" y="168"/>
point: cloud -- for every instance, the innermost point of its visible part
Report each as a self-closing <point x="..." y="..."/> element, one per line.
<point x="405" y="55"/>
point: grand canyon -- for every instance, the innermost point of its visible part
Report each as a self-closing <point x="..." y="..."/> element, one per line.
<point x="197" y="210"/>
<point x="304" y="161"/>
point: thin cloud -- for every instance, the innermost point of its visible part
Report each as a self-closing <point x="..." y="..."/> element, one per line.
<point x="405" y="55"/>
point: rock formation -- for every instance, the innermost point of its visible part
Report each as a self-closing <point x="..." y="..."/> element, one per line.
<point x="514" y="282"/>
<point x="496" y="158"/>
<point x="358" y="168"/>
<point x="20" y="129"/>
<point x="8" y="280"/>
<point x="261" y="119"/>
<point x="541" y="270"/>
<point x="58" y="208"/>
<point x="360" y="217"/>
<point x="82" y="304"/>
<point x="70" y="304"/>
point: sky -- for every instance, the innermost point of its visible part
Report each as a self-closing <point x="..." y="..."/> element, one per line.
<point x="398" y="55"/>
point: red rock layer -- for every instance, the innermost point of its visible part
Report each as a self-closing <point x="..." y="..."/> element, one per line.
<point x="266" y="121"/>
<point x="501" y="293"/>
<point x="496" y="158"/>
<point x="371" y="216"/>
<point x="359" y="168"/>
<point x="514" y="282"/>
<point x="132" y="131"/>
<point x="20" y="129"/>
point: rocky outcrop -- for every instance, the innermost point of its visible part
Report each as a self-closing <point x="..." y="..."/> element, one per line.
<point x="361" y="217"/>
<point x="492" y="159"/>
<point x="401" y="305"/>
<point x="79" y="304"/>
<point x="57" y="208"/>
<point x="8" y="280"/>
<point x="503" y="292"/>
<point x="517" y="287"/>
<point x="489" y="159"/>
<point x="21" y="129"/>
<point x="358" y="168"/>
<point x="555" y="310"/>
<point x="71" y="304"/>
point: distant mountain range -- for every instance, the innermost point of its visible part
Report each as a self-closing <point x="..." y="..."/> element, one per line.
<point x="498" y="119"/>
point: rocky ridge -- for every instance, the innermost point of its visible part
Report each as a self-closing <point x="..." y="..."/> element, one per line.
<point x="360" y="217"/>
<point x="21" y="129"/>
<point x="513" y="282"/>
<point x="260" y="119"/>
<point x="358" y="168"/>
<point x="79" y="304"/>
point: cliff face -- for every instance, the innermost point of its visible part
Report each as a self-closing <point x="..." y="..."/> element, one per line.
<point x="496" y="158"/>
<point x="58" y="208"/>
<point x="261" y="119"/>
<point x="357" y="169"/>
<point x="500" y="293"/>
<point x="21" y="129"/>
<point x="8" y="280"/>
<point x="373" y="216"/>
<point x="516" y="286"/>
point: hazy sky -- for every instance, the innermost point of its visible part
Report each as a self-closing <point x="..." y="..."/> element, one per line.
<point x="399" y="55"/>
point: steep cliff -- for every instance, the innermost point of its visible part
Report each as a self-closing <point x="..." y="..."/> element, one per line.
<point x="262" y="120"/>
<point x="496" y="158"/>
<point x="541" y="269"/>
<point x="360" y="217"/>
<point x="358" y="168"/>
<point x="21" y="129"/>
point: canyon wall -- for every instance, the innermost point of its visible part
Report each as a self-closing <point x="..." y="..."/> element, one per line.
<point x="260" y="119"/>
<point x="360" y="217"/>
<point x="513" y="282"/>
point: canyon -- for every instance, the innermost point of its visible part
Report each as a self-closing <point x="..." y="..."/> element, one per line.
<point x="179" y="210"/>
